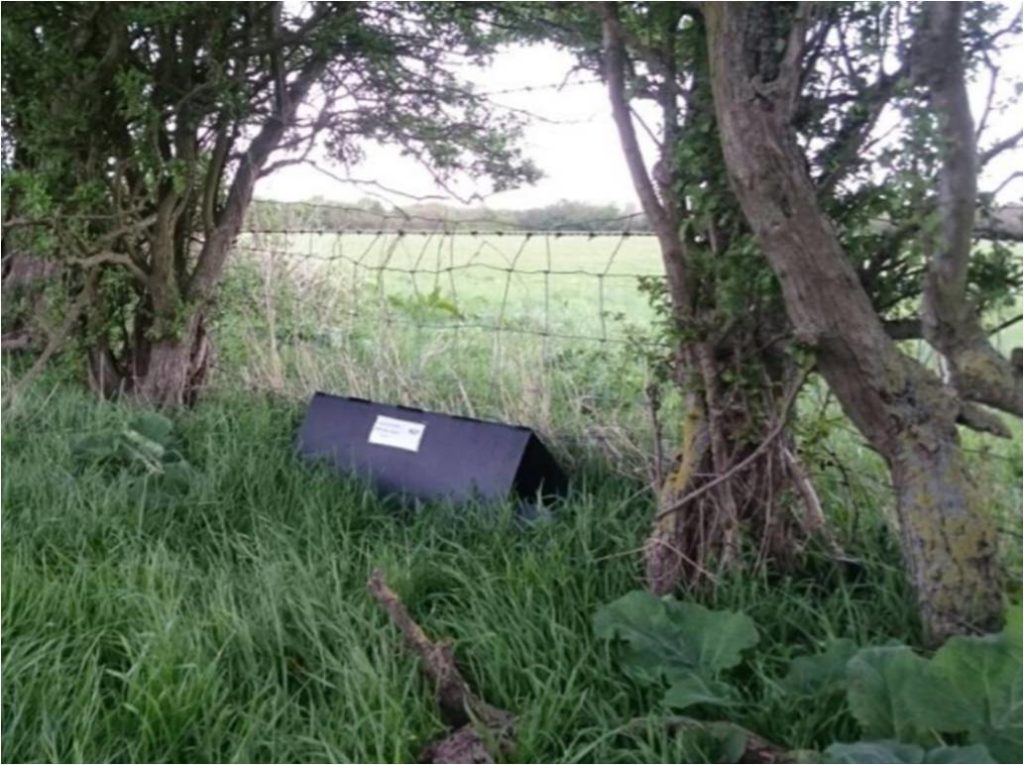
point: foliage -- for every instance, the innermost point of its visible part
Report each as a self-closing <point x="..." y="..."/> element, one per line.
<point x="683" y="643"/>
<point x="135" y="135"/>
<point x="878" y="178"/>
<point x="903" y="702"/>
<point x="882" y="694"/>
<point x="370" y="215"/>
<point x="880" y="163"/>
<point x="821" y="674"/>
<point x="422" y="307"/>
<point x="141" y="449"/>
<point x="896" y="752"/>
<point x="232" y="622"/>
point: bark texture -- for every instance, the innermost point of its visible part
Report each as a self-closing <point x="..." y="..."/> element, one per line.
<point x="169" y="354"/>
<point x="734" y="481"/>
<point x="949" y="320"/>
<point x="480" y="731"/>
<point x="948" y="537"/>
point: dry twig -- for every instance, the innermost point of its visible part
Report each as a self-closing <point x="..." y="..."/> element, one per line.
<point x="479" y="728"/>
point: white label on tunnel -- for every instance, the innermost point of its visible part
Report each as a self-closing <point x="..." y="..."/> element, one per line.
<point x="399" y="434"/>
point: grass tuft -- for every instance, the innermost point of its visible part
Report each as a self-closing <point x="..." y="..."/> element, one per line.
<point x="233" y="623"/>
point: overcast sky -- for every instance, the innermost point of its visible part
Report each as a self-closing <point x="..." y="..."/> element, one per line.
<point x="577" y="150"/>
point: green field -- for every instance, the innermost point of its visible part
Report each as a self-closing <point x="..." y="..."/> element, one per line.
<point x="469" y="324"/>
<point x="225" y="618"/>
<point x="563" y="284"/>
<point x="572" y="280"/>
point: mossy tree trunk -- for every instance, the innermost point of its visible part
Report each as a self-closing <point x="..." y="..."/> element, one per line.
<point x="948" y="534"/>
<point x="736" y="490"/>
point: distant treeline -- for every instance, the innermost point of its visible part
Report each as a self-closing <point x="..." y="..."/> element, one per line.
<point x="370" y="215"/>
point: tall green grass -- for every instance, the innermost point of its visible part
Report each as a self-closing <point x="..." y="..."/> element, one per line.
<point x="232" y="624"/>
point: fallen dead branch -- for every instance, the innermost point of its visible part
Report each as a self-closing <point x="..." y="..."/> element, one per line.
<point x="479" y="730"/>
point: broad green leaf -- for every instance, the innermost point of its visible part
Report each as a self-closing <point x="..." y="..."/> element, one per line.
<point x="805" y="757"/>
<point x="714" y="741"/>
<point x="696" y="689"/>
<point x="883" y="692"/>
<point x="976" y="753"/>
<point x="668" y="639"/>
<point x="152" y="426"/>
<point x="95" y="446"/>
<point x="177" y="477"/>
<point x="974" y="685"/>
<point x="868" y="752"/>
<point x="142" y="448"/>
<point x="823" y="672"/>
<point x="732" y="739"/>
<point x="889" y="751"/>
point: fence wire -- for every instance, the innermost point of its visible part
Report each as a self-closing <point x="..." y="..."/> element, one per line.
<point x="544" y="328"/>
<point x="597" y="272"/>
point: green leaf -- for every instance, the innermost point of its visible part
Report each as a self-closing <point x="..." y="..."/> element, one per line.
<point x="884" y="692"/>
<point x="889" y="751"/>
<point x="696" y="689"/>
<point x="974" y="685"/>
<point x="155" y="427"/>
<point x="714" y="741"/>
<point x="137" y="445"/>
<point x="178" y="477"/>
<point x="976" y="753"/>
<point x="885" y="751"/>
<point x="732" y="740"/>
<point x="668" y="639"/>
<point x="821" y="673"/>
<point x="95" y="446"/>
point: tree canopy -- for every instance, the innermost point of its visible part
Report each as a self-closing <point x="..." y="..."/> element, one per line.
<point x="136" y="132"/>
<point x="816" y="198"/>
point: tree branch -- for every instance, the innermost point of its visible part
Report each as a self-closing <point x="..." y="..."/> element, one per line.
<point x="662" y="216"/>
<point x="215" y="248"/>
<point x="978" y="371"/>
<point x="780" y="424"/>
<point x="842" y="154"/>
<point x="113" y="258"/>
<point x="614" y="69"/>
<point x="994" y="151"/>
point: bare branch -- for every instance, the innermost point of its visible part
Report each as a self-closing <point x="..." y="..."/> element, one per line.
<point x="842" y="154"/>
<point x="977" y="418"/>
<point x="54" y="344"/>
<point x="112" y="258"/>
<point x="776" y="430"/>
<point x="614" y="66"/>
<point x="1005" y="223"/>
<point x="1004" y="183"/>
<point x="978" y="371"/>
<point x="662" y="214"/>
<point x="998" y="148"/>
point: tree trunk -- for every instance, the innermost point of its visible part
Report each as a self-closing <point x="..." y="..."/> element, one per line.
<point x="730" y="487"/>
<point x="175" y="368"/>
<point x="947" y="533"/>
<point x="950" y="322"/>
<point x="736" y="490"/>
<point x="948" y="536"/>
<point x="168" y="372"/>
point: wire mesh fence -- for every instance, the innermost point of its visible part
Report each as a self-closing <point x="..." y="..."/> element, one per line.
<point x="545" y="328"/>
